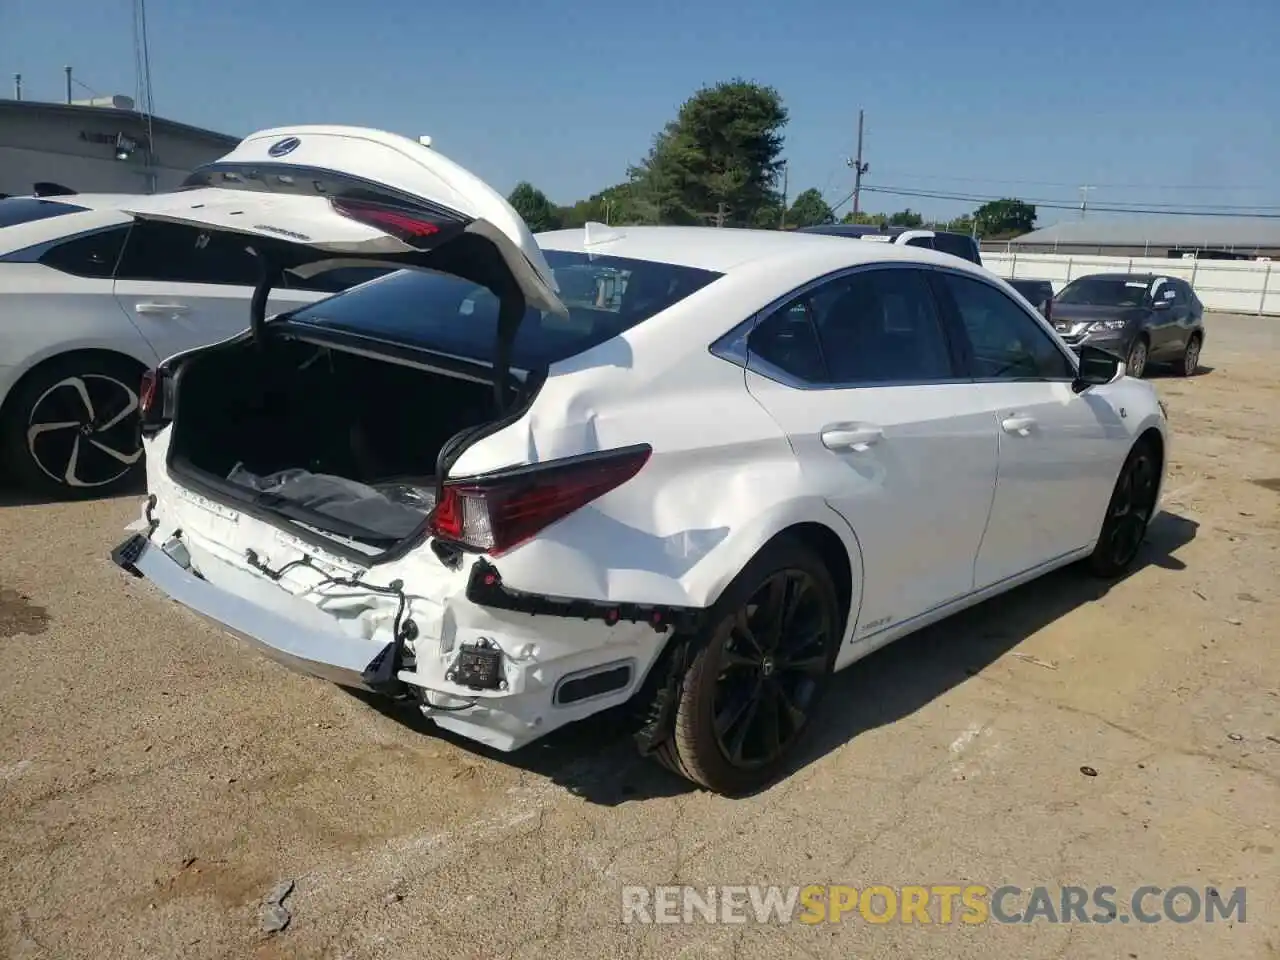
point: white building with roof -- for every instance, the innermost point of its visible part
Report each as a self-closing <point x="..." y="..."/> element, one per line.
<point x="98" y="146"/>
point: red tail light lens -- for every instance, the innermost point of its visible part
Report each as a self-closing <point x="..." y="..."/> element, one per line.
<point x="498" y="514"/>
<point x="147" y="393"/>
<point x="414" y="227"/>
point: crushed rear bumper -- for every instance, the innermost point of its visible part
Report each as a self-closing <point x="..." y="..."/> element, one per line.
<point x="327" y="654"/>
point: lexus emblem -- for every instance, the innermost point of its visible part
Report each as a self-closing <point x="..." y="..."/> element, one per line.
<point x="283" y="147"/>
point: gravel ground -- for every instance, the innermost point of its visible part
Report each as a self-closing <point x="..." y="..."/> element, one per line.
<point x="158" y="780"/>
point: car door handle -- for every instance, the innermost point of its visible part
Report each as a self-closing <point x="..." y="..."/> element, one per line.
<point x="168" y="309"/>
<point x="1018" y="425"/>
<point x="850" y="438"/>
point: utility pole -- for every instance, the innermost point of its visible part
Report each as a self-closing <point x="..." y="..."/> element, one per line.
<point x="859" y="168"/>
<point x="1084" y="199"/>
<point x="721" y="213"/>
<point x="782" y="221"/>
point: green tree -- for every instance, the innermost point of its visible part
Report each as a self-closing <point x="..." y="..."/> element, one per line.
<point x="532" y="204"/>
<point x="810" y="210"/>
<point x="1005" y="218"/>
<point x="720" y="158"/>
<point x="905" y="218"/>
<point x="862" y="218"/>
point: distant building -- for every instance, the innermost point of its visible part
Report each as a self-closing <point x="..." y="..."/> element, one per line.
<point x="98" y="146"/>
<point x="1242" y="238"/>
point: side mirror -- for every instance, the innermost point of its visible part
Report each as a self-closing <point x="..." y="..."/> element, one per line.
<point x="1098" y="368"/>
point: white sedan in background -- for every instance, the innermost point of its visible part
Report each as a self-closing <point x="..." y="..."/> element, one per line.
<point x="691" y="469"/>
<point x="89" y="301"/>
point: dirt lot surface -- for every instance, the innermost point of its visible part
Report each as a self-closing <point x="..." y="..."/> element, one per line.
<point x="157" y="779"/>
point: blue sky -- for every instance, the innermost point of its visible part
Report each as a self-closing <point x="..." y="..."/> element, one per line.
<point x="975" y="97"/>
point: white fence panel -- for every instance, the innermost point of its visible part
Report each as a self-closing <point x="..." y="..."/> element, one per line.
<point x="1231" y="286"/>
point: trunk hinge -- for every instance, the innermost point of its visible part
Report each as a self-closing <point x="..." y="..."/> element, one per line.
<point x="258" y="305"/>
<point x="511" y="309"/>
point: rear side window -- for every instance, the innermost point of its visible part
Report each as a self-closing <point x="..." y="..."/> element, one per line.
<point x="605" y="296"/>
<point x="16" y="210"/>
<point x="181" y="254"/>
<point x="88" y="255"/>
<point x="874" y="326"/>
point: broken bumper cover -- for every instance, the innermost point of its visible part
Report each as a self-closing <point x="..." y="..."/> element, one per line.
<point x="329" y="655"/>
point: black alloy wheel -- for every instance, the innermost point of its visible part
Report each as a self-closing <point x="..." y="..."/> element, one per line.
<point x="750" y="691"/>
<point x="1132" y="505"/>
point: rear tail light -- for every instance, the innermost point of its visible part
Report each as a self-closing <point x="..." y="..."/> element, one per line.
<point x="155" y="399"/>
<point x="497" y="514"/>
<point x="415" y="227"/>
<point x="147" y="393"/>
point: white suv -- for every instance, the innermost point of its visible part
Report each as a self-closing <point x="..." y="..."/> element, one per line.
<point x="89" y="300"/>
<point x="944" y="241"/>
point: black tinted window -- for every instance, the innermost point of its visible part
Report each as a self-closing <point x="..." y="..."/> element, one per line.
<point x="605" y="296"/>
<point x="176" y="253"/>
<point x="875" y="326"/>
<point x="920" y="242"/>
<point x="15" y="210"/>
<point x="334" y="281"/>
<point x="958" y="245"/>
<point x="89" y="255"/>
<point x="1007" y="342"/>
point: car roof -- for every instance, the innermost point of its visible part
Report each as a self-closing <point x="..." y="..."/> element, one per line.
<point x="1121" y="276"/>
<point x="727" y="249"/>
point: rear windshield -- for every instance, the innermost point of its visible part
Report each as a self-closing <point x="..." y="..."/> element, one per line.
<point x="16" y="210"/>
<point x="1107" y="291"/>
<point x="958" y="245"/>
<point x="605" y="296"/>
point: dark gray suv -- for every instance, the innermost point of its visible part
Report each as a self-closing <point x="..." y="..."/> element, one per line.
<point x="1141" y="317"/>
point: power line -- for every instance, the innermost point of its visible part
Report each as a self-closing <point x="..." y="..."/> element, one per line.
<point x="1063" y="183"/>
<point x="1058" y="204"/>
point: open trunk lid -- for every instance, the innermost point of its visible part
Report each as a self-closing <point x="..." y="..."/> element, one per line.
<point x="342" y="196"/>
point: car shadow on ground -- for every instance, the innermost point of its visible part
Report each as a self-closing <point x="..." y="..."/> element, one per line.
<point x="12" y="495"/>
<point x="595" y="759"/>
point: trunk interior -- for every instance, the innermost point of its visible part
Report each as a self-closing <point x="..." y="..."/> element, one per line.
<point x="344" y="442"/>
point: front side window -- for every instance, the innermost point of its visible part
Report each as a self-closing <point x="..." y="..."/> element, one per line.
<point x="605" y="296"/>
<point x="1007" y="342"/>
<point x="873" y="326"/>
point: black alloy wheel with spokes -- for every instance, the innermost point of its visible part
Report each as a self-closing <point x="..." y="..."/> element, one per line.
<point x="71" y="427"/>
<point x="1133" y="502"/>
<point x="751" y="688"/>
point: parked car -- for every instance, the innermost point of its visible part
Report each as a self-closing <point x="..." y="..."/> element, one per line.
<point x="764" y="456"/>
<point x="1039" y="294"/>
<point x="957" y="244"/>
<point x="1143" y="317"/>
<point x="89" y="301"/>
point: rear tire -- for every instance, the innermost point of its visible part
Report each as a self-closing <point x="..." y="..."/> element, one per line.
<point x="1133" y="501"/>
<point x="1190" y="362"/>
<point x="1135" y="363"/>
<point x="757" y="673"/>
<point x="70" y="427"/>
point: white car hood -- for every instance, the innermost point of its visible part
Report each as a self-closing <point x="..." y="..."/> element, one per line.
<point x="262" y="188"/>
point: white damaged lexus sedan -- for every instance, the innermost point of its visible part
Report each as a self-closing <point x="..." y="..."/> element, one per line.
<point x="521" y="481"/>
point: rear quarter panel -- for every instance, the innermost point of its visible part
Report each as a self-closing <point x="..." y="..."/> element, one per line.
<point x="721" y="482"/>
